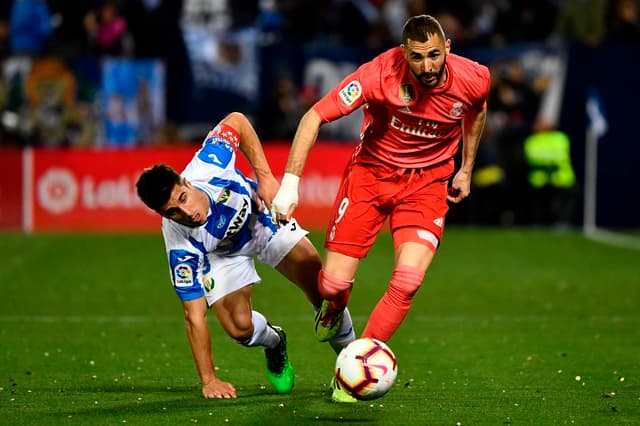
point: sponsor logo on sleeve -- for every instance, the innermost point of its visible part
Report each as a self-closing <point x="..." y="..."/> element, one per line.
<point x="183" y="275"/>
<point x="351" y="92"/>
<point x="216" y="154"/>
<point x="183" y="267"/>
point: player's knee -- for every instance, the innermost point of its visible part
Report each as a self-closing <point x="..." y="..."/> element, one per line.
<point x="329" y="286"/>
<point x="406" y="280"/>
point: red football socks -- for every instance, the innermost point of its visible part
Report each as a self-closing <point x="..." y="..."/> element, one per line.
<point x="394" y="305"/>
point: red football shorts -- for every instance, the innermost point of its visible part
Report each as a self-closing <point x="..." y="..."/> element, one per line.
<point x="371" y="194"/>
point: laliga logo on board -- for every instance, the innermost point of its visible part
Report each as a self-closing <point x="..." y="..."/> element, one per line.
<point x="59" y="191"/>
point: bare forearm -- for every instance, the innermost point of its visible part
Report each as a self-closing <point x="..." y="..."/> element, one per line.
<point x="200" y="341"/>
<point x="305" y="137"/>
<point x="472" y="132"/>
<point x="250" y="144"/>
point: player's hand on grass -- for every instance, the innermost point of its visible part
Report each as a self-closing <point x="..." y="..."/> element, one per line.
<point x="286" y="199"/>
<point x="218" y="389"/>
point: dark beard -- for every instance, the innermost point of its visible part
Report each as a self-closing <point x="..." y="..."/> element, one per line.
<point x="433" y="82"/>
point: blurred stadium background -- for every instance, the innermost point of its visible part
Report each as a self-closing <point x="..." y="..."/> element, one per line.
<point x="91" y="92"/>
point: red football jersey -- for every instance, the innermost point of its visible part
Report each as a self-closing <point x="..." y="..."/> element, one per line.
<point x="406" y="124"/>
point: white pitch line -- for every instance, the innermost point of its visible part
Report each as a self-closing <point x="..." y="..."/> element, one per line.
<point x="613" y="239"/>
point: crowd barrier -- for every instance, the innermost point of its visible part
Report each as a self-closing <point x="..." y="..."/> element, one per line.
<point x="93" y="190"/>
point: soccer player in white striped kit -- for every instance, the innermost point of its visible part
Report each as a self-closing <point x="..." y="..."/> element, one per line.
<point x="214" y="224"/>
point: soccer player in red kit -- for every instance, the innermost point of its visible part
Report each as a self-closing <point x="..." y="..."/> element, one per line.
<point x="419" y="100"/>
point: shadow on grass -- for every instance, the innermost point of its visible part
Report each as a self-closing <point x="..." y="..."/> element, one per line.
<point x="157" y="404"/>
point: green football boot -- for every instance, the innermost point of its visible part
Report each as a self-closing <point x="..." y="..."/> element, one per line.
<point x="279" y="369"/>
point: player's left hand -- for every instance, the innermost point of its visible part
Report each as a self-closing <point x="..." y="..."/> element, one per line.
<point x="460" y="187"/>
<point x="219" y="389"/>
<point x="268" y="186"/>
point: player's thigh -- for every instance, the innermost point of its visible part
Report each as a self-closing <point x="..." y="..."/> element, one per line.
<point x="357" y="214"/>
<point x="422" y="208"/>
<point x="341" y="266"/>
<point x="224" y="275"/>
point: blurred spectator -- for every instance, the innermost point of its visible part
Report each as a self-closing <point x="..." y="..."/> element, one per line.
<point x="278" y="118"/>
<point x="29" y="27"/>
<point x="70" y="39"/>
<point x="154" y="26"/>
<point x="484" y="23"/>
<point x="454" y="28"/>
<point x="107" y="29"/>
<point x="51" y="97"/>
<point x="14" y="72"/>
<point x="305" y="20"/>
<point x="581" y="21"/>
<point x="133" y="98"/>
<point x="623" y="26"/>
<point x="270" y="21"/>
<point x="220" y="16"/>
<point x="525" y="21"/>
<point x="244" y="13"/>
<point x="513" y="106"/>
<point x="212" y="15"/>
<point x="395" y="14"/>
<point x="551" y="195"/>
<point x="355" y="22"/>
<point x="5" y="9"/>
<point x="168" y="135"/>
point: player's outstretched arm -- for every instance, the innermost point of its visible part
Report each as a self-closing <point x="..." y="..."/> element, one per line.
<point x="200" y="340"/>
<point x="286" y="200"/>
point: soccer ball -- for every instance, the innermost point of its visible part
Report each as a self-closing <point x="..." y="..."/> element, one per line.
<point x="366" y="368"/>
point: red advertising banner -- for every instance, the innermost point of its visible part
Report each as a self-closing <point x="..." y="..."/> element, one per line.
<point x="94" y="190"/>
<point x="11" y="177"/>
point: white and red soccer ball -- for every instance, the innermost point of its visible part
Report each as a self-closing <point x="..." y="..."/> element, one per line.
<point x="366" y="368"/>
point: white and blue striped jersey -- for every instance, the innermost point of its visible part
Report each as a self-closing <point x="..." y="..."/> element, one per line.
<point x="235" y="231"/>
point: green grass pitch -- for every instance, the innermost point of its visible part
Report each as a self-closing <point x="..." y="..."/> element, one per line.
<point x="509" y="327"/>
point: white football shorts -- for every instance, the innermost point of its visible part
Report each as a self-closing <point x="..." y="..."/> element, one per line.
<point x="231" y="273"/>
